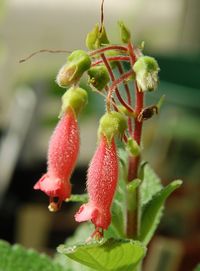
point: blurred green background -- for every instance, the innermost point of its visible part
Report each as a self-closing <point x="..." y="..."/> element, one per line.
<point x="30" y="103"/>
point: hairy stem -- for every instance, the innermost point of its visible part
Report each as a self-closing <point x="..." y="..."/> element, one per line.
<point x="128" y="94"/>
<point x="112" y="58"/>
<point x="132" y="215"/>
<point x="108" y="48"/>
<point x="118" y="81"/>
<point x="112" y="77"/>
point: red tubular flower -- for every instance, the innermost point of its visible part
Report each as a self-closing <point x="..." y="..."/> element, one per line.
<point x="62" y="156"/>
<point x="101" y="185"/>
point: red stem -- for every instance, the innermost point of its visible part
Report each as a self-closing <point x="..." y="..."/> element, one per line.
<point x="113" y="100"/>
<point x="107" y="48"/>
<point x="114" y="105"/>
<point x="139" y="100"/>
<point x="119" y="81"/>
<point x="113" y="58"/>
<point x="132" y="216"/>
<point x="137" y="133"/>
<point x="112" y="77"/>
<point x="128" y="96"/>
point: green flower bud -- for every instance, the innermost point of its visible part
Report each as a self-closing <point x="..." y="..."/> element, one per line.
<point x="77" y="63"/>
<point x="146" y="69"/>
<point x="95" y="39"/>
<point x="124" y="32"/>
<point x="98" y="76"/>
<point x="74" y="97"/>
<point x="132" y="147"/>
<point x="111" y="124"/>
<point x="92" y="37"/>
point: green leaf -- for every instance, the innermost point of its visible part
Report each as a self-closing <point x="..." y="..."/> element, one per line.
<point x="107" y="255"/>
<point x="17" y="258"/>
<point x="151" y="183"/>
<point x="81" y="233"/>
<point x="152" y="211"/>
<point x="123" y="157"/>
<point x="197" y="268"/>
<point x="117" y="227"/>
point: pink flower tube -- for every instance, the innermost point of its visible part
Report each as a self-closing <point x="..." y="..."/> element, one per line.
<point x="62" y="156"/>
<point x="101" y="185"/>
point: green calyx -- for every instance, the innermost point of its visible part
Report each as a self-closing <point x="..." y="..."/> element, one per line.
<point x="146" y="69"/>
<point x="96" y="38"/>
<point x="76" y="98"/>
<point x="77" y="63"/>
<point x="98" y="76"/>
<point x="124" y="32"/>
<point x="112" y="124"/>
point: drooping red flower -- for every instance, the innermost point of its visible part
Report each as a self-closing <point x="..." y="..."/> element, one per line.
<point x="101" y="185"/>
<point x="62" y="155"/>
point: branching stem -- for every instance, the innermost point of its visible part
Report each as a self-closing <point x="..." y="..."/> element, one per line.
<point x="112" y="77"/>
<point x="128" y="94"/>
<point x="114" y="85"/>
<point x="113" y="58"/>
<point x="108" y="48"/>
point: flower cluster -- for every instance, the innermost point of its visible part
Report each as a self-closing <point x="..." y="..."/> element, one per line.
<point x="104" y="66"/>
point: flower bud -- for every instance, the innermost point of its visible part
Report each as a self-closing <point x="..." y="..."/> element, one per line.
<point x="111" y="124"/>
<point x="74" y="97"/>
<point x="146" y="69"/>
<point x="124" y="32"/>
<point x="77" y="63"/>
<point x="62" y="156"/>
<point x="98" y="76"/>
<point x="96" y="38"/>
<point x="101" y="185"/>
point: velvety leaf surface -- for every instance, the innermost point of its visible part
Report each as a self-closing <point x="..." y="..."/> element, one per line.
<point x="152" y="211"/>
<point x="81" y="234"/>
<point x="151" y="183"/>
<point x="197" y="268"/>
<point x="118" y="212"/>
<point x="17" y="258"/>
<point x="107" y="255"/>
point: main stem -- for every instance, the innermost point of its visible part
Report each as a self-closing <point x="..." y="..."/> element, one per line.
<point x="132" y="213"/>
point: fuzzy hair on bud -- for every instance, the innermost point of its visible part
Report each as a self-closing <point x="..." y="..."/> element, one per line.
<point x="98" y="77"/>
<point x="124" y="32"/>
<point x="111" y="124"/>
<point x="96" y="39"/>
<point x="74" y="97"/>
<point x="77" y="63"/>
<point x="146" y="69"/>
